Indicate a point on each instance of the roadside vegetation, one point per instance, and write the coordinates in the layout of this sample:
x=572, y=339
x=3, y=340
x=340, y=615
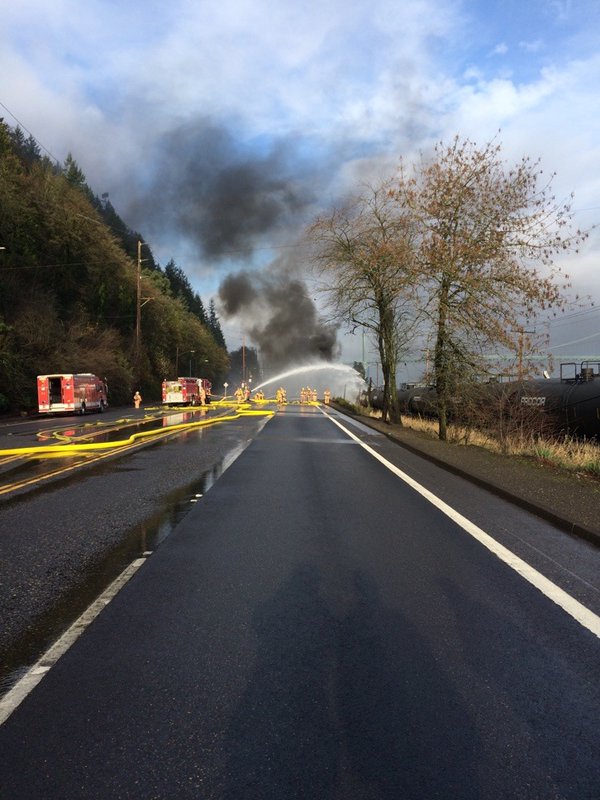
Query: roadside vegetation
x=347, y=406
x=81, y=292
x=453, y=256
x=560, y=452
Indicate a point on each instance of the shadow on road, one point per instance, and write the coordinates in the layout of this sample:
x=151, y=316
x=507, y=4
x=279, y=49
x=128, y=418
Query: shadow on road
x=345, y=707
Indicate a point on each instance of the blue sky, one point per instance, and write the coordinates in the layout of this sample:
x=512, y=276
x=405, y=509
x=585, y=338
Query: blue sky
x=167, y=106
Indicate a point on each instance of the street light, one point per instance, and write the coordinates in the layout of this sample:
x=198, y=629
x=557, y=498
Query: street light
x=177, y=354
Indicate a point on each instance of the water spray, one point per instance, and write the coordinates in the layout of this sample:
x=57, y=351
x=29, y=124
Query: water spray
x=318, y=366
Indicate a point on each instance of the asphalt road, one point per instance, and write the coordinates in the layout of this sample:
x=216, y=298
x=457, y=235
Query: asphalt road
x=315, y=628
x=63, y=542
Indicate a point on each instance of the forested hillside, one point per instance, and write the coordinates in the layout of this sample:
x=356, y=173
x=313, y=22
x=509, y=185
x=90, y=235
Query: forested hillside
x=69, y=294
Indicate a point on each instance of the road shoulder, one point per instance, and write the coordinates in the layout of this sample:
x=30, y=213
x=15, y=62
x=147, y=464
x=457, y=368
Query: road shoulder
x=569, y=500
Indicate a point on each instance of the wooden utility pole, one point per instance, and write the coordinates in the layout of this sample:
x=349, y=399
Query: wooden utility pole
x=522, y=333
x=138, y=312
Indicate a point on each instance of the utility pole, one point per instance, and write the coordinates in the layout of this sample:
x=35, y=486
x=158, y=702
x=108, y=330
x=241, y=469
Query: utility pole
x=138, y=310
x=138, y=315
x=521, y=332
x=363, y=354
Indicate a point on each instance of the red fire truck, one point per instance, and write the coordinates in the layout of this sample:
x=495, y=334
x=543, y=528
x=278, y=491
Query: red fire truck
x=74, y=394
x=185, y=391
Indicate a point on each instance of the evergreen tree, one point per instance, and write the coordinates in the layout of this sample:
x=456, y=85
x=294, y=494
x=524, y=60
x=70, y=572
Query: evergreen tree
x=32, y=152
x=214, y=325
x=181, y=288
x=17, y=138
x=73, y=173
x=68, y=287
x=197, y=308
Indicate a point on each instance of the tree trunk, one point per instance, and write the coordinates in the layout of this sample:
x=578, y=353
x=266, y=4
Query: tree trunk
x=441, y=361
x=387, y=352
x=395, y=417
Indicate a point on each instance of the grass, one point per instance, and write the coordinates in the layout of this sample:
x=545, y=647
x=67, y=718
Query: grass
x=339, y=401
x=574, y=455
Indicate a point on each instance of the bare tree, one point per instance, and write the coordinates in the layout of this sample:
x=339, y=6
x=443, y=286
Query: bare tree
x=365, y=253
x=485, y=235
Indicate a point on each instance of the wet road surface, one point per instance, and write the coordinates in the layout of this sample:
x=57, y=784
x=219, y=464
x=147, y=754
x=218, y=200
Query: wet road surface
x=315, y=629
x=40, y=450
x=63, y=541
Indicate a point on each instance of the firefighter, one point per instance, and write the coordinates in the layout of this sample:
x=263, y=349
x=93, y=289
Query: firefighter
x=327, y=396
x=137, y=399
x=239, y=394
x=202, y=395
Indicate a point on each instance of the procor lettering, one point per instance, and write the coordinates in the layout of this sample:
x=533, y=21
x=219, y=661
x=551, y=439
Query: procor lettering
x=533, y=401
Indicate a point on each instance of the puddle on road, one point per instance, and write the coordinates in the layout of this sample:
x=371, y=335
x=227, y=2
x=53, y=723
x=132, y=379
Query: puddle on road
x=142, y=538
x=32, y=466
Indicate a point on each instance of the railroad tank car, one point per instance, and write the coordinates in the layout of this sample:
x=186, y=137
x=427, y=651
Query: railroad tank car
x=573, y=399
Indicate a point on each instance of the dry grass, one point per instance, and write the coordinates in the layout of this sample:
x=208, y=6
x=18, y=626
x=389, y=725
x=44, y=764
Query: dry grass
x=574, y=455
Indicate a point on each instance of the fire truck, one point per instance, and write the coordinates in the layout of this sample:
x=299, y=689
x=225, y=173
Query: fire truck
x=185, y=391
x=71, y=394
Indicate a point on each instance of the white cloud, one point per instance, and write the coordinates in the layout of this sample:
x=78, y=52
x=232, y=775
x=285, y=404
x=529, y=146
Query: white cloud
x=369, y=80
x=531, y=47
x=501, y=49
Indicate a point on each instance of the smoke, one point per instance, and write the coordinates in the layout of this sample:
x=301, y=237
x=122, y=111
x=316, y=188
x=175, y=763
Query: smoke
x=279, y=317
x=223, y=192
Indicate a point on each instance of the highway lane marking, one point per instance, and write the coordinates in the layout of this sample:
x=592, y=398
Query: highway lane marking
x=15, y=696
x=573, y=607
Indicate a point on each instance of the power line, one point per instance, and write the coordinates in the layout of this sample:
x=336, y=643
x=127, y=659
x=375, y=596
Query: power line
x=100, y=221
x=56, y=266
x=576, y=341
x=37, y=141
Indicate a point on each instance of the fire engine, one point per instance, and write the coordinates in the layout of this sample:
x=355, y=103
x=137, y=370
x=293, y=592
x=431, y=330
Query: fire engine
x=75, y=394
x=185, y=390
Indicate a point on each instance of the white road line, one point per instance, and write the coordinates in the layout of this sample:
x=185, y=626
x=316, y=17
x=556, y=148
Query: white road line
x=573, y=607
x=15, y=696
x=34, y=674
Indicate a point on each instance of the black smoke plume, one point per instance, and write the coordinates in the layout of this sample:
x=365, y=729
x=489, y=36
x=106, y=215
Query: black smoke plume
x=225, y=193
x=279, y=317
x=230, y=195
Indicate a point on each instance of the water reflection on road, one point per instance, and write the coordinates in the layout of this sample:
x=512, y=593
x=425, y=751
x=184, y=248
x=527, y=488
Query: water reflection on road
x=21, y=466
x=141, y=540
